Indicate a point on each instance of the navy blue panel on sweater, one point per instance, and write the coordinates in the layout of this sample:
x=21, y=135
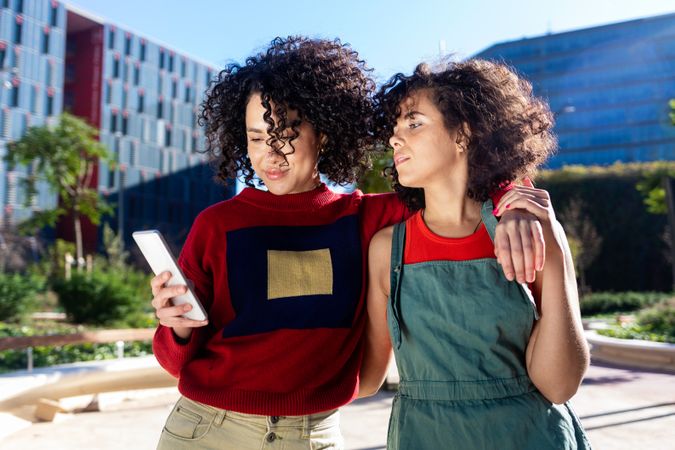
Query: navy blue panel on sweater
x=247, y=265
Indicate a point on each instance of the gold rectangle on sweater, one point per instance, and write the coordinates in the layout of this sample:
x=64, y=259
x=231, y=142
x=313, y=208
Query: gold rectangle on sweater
x=296, y=274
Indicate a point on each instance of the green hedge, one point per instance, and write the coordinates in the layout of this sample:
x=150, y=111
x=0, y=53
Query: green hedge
x=652, y=324
x=632, y=254
x=616, y=302
x=44, y=356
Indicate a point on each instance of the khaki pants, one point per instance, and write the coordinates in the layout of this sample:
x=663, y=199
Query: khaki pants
x=194, y=425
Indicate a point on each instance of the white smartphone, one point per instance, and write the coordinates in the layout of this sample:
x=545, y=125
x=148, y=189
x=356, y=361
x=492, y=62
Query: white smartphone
x=158, y=255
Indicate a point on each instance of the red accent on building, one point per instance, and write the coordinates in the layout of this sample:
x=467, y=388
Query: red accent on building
x=86, y=92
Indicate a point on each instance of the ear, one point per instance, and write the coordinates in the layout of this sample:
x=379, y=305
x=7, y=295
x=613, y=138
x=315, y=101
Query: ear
x=463, y=137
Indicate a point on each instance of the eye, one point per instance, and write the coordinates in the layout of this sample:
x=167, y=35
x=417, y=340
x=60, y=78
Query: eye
x=255, y=139
x=414, y=125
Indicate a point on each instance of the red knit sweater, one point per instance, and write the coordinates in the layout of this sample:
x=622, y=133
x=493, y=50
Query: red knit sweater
x=283, y=281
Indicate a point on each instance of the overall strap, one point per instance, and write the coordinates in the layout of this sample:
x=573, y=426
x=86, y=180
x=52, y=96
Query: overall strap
x=490, y=222
x=397, y=246
x=488, y=218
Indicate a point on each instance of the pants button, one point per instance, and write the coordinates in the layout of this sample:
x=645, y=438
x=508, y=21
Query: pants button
x=271, y=437
x=274, y=419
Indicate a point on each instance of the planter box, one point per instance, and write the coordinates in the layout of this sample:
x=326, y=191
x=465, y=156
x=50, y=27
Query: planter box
x=632, y=352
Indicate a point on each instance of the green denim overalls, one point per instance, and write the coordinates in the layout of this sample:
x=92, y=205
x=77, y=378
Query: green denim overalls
x=459, y=331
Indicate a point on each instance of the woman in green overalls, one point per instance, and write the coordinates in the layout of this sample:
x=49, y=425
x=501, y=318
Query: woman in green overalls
x=484, y=362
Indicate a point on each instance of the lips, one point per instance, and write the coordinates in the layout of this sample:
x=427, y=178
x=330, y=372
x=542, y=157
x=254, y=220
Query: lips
x=275, y=174
x=400, y=159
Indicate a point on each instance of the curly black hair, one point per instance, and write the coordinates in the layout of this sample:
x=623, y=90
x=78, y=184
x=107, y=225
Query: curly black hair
x=324, y=80
x=510, y=129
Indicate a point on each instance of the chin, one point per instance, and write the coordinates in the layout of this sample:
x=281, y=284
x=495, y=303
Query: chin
x=408, y=182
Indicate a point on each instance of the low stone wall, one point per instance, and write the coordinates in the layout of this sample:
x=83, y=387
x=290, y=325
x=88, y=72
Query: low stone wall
x=632, y=352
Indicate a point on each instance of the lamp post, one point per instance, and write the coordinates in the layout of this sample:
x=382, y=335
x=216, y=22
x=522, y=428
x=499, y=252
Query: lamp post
x=120, y=189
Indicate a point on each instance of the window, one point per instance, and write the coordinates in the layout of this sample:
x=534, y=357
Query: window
x=17, y=31
x=54, y=14
x=125, y=124
x=171, y=63
x=50, y=102
x=3, y=53
x=19, y=6
x=141, y=103
x=111, y=38
x=142, y=51
x=161, y=59
x=113, y=122
x=160, y=109
x=208, y=77
x=167, y=136
x=45, y=41
x=183, y=68
x=137, y=75
x=127, y=46
x=187, y=94
x=116, y=68
x=14, y=96
x=108, y=93
x=124, y=97
x=174, y=89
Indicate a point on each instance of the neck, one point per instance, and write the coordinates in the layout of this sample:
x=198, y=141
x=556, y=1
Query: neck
x=449, y=211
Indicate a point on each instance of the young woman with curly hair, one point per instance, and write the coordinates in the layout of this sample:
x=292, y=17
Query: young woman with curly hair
x=281, y=271
x=484, y=362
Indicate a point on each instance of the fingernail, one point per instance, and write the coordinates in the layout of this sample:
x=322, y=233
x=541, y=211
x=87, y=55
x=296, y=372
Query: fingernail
x=187, y=307
x=508, y=205
x=494, y=211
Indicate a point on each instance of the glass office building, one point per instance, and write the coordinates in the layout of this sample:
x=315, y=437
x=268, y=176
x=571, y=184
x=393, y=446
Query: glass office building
x=143, y=97
x=609, y=87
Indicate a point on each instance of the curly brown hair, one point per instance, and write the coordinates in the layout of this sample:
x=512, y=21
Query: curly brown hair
x=324, y=80
x=510, y=129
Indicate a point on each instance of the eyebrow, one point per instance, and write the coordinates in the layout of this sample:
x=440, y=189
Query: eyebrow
x=410, y=114
x=254, y=130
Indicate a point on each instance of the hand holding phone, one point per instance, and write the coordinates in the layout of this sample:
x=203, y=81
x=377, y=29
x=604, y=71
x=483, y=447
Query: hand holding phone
x=159, y=257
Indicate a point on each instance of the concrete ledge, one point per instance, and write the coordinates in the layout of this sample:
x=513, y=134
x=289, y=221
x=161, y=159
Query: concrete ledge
x=632, y=352
x=60, y=382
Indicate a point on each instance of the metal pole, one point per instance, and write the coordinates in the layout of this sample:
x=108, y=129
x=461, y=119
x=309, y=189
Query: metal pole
x=670, y=203
x=29, y=354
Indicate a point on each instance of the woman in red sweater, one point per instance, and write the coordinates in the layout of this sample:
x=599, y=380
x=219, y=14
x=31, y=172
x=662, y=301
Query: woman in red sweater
x=281, y=272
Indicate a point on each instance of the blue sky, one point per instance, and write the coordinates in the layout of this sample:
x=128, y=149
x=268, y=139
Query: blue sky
x=392, y=35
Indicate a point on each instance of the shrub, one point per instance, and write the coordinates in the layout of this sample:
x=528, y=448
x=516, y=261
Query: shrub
x=660, y=319
x=609, y=302
x=17, y=295
x=104, y=297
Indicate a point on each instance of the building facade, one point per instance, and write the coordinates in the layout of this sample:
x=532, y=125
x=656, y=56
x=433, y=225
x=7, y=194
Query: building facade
x=608, y=86
x=143, y=97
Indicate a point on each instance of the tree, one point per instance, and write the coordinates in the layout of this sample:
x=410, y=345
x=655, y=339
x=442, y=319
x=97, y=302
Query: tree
x=585, y=242
x=672, y=111
x=372, y=181
x=65, y=157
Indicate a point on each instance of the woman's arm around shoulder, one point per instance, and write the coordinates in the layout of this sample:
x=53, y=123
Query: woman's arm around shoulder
x=377, y=345
x=557, y=354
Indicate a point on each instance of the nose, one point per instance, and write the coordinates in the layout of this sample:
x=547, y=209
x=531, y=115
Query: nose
x=395, y=141
x=272, y=155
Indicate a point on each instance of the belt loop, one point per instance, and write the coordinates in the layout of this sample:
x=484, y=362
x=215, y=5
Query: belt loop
x=220, y=417
x=306, y=424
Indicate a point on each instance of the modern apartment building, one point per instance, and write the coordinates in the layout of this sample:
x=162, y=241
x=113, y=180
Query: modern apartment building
x=142, y=95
